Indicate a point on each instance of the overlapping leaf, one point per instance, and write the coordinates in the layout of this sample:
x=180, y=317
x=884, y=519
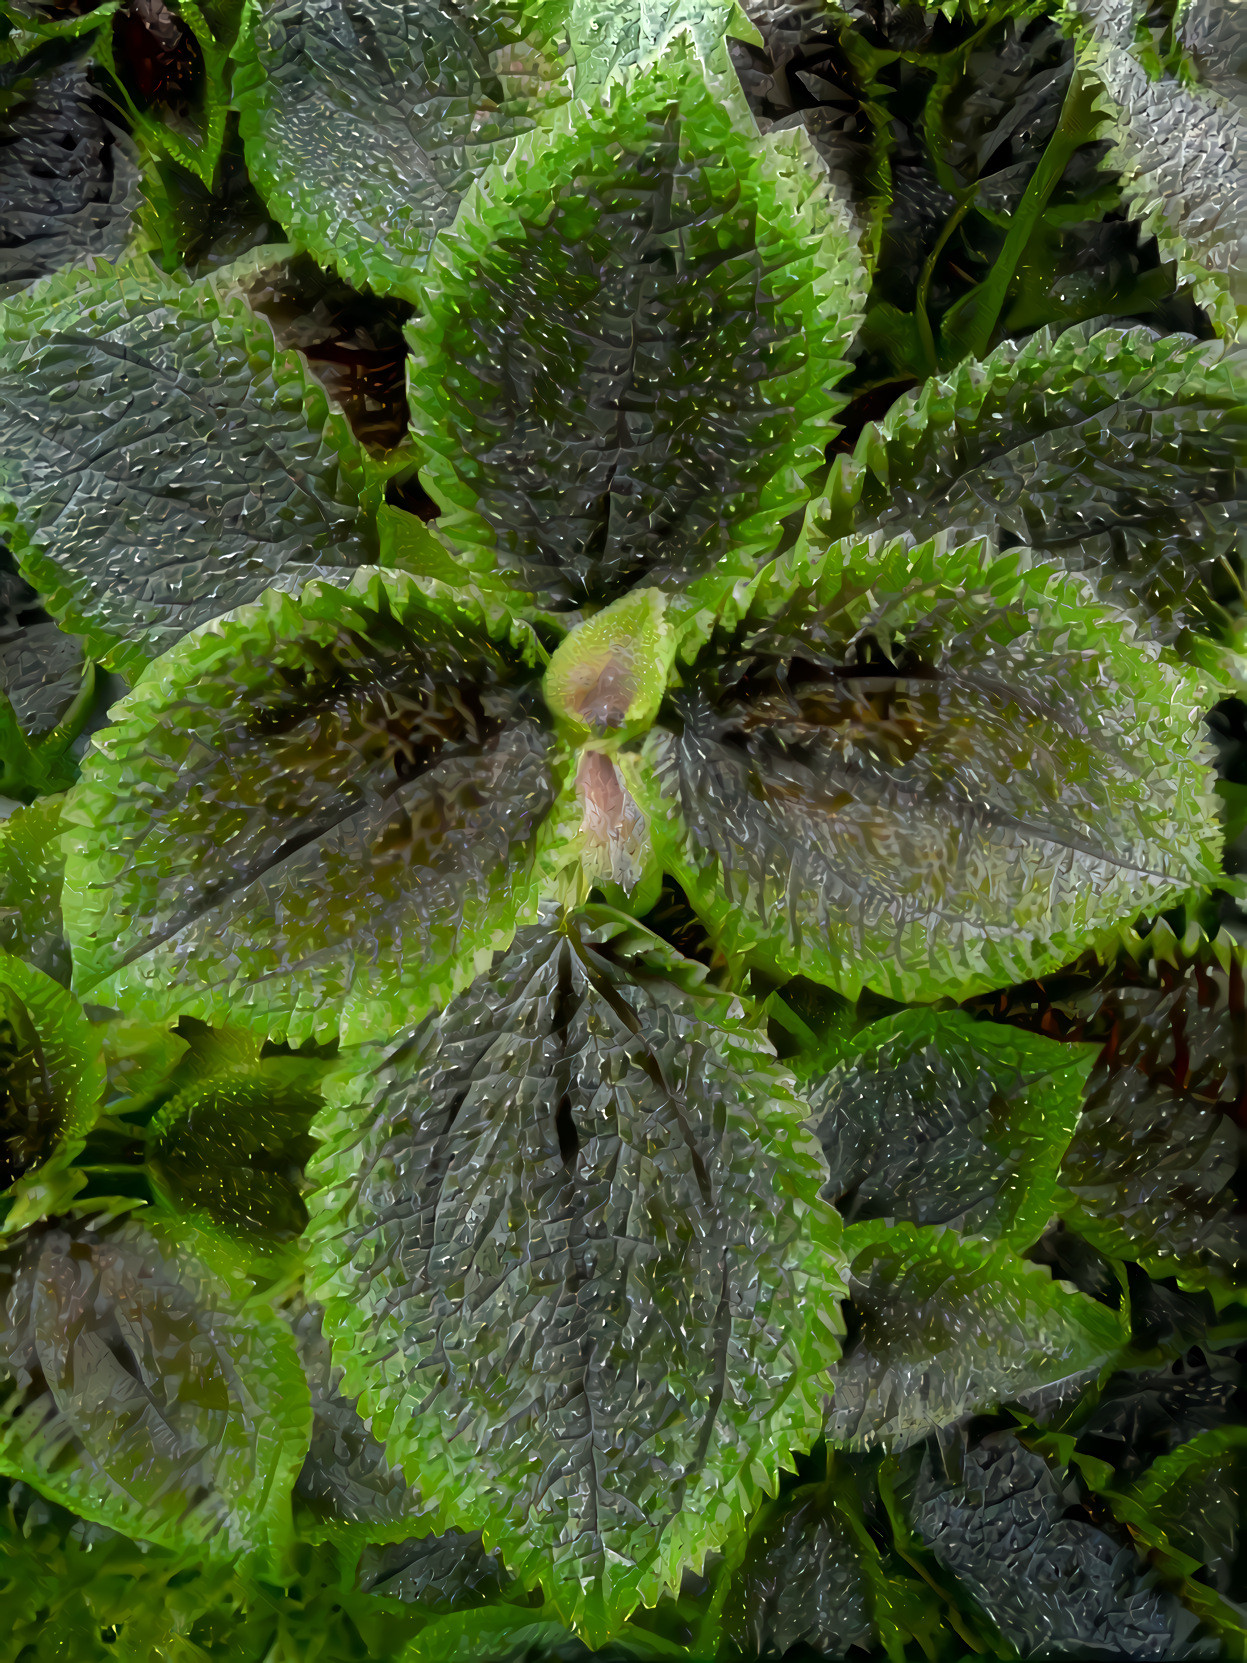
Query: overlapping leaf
x=1054, y=1583
x=160, y=461
x=51, y=1072
x=951, y=1327
x=1148, y=1171
x=925, y=768
x=801, y=1583
x=366, y=121
x=31, y=867
x=310, y=816
x=632, y=374
x=230, y=1138
x=573, y=1260
x=1181, y=151
x=1119, y=453
x=142, y=1395
x=69, y=180
x=935, y=1119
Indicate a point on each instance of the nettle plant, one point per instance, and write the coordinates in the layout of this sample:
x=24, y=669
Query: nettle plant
x=622, y=1013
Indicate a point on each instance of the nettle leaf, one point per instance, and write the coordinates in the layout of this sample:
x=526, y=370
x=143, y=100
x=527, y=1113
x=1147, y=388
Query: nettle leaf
x=1118, y=452
x=928, y=768
x=1213, y=38
x=139, y=1055
x=69, y=180
x=935, y=1119
x=311, y=817
x=51, y=1071
x=160, y=461
x=1055, y=1584
x=631, y=374
x=41, y=673
x=573, y=1260
x=1148, y=1173
x=145, y=1394
x=801, y=1583
x=605, y=42
x=31, y=868
x=366, y=121
x=1189, y=1498
x=346, y=1489
x=952, y=1326
x=231, y=1139
x=1181, y=151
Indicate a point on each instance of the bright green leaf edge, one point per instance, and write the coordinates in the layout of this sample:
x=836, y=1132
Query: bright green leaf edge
x=106, y=807
x=67, y=298
x=595, y=1616
x=875, y=570
x=1052, y=1077
x=803, y=229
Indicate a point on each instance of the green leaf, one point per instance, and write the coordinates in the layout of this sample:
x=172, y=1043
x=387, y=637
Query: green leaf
x=146, y=1396
x=1179, y=149
x=230, y=1141
x=31, y=868
x=928, y=769
x=609, y=42
x=311, y=816
x=139, y=1055
x=934, y=1119
x=365, y=123
x=1117, y=452
x=489, y=1636
x=1148, y=1172
x=1055, y=1584
x=573, y=449
x=1187, y=1502
x=572, y=1259
x=952, y=1326
x=51, y=1082
x=346, y=1490
x=802, y=1583
x=69, y=180
x=160, y=461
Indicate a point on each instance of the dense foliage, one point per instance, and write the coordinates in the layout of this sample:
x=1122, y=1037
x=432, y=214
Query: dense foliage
x=622, y=1009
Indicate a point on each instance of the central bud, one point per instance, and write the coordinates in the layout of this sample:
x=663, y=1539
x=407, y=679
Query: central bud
x=609, y=675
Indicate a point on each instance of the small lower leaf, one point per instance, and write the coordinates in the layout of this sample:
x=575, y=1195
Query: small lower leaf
x=951, y=1327
x=935, y=1119
x=143, y=1396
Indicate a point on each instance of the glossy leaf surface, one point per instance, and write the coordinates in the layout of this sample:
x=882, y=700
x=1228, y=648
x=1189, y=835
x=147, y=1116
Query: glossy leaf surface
x=1181, y=150
x=573, y=1260
x=311, y=815
x=367, y=120
x=69, y=180
x=142, y=1396
x=162, y=463
x=1116, y=452
x=1054, y=1583
x=934, y=1119
x=631, y=374
x=952, y=1327
x=925, y=769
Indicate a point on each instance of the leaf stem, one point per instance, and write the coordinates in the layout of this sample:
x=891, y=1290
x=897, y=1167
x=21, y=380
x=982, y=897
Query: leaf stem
x=928, y=270
x=968, y=327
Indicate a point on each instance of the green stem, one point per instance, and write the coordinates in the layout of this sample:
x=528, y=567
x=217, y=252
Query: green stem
x=969, y=325
x=924, y=280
